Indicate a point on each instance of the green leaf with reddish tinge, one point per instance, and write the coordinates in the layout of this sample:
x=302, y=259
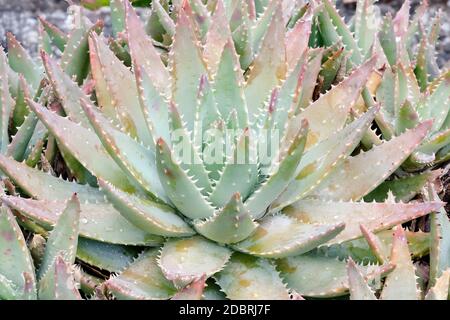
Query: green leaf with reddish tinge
x=365, y=25
x=329, y=113
x=163, y=18
x=387, y=40
x=63, y=238
x=84, y=145
x=403, y=188
x=59, y=282
x=239, y=174
x=99, y=221
x=6, y=103
x=106, y=256
x=16, y=258
x=121, y=87
x=193, y=291
x=352, y=181
x=359, y=289
x=20, y=61
x=315, y=275
x=441, y=288
x=143, y=52
x=180, y=189
x=187, y=67
x=310, y=79
x=269, y=67
x=436, y=105
x=375, y=216
x=229, y=86
x=407, y=118
x=57, y=37
x=147, y=215
x=184, y=260
x=75, y=58
x=44, y=186
x=68, y=91
x=218, y=35
x=153, y=105
x=440, y=240
x=344, y=33
x=142, y=280
x=281, y=173
x=401, y=283
x=233, y=223
x=321, y=159
x=250, y=278
x=281, y=236
x=297, y=41
x=137, y=161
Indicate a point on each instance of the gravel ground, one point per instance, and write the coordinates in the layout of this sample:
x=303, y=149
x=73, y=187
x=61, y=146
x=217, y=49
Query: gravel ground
x=20, y=17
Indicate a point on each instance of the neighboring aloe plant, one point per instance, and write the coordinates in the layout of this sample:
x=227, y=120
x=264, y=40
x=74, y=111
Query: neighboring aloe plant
x=172, y=206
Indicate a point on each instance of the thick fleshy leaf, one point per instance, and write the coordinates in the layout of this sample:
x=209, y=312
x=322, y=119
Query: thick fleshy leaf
x=56, y=36
x=20, y=61
x=404, y=188
x=376, y=245
x=106, y=256
x=137, y=161
x=436, y=105
x=142, y=280
x=297, y=41
x=154, y=106
x=329, y=113
x=233, y=223
x=440, y=290
x=121, y=87
x=341, y=29
x=185, y=260
x=152, y=217
x=63, y=238
x=315, y=275
x=193, y=291
x=180, y=189
x=401, y=283
x=8, y=290
x=269, y=67
x=250, y=278
x=280, y=236
x=375, y=216
x=15, y=256
x=59, y=282
x=365, y=25
x=217, y=36
x=440, y=240
x=352, y=181
x=360, y=251
x=280, y=175
x=228, y=85
x=98, y=221
x=321, y=159
x=144, y=53
x=75, y=58
x=359, y=289
x=68, y=91
x=239, y=174
x=44, y=186
x=187, y=150
x=84, y=145
x=187, y=67
x=6, y=103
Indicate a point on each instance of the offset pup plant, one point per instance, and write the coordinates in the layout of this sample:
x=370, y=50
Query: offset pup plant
x=224, y=150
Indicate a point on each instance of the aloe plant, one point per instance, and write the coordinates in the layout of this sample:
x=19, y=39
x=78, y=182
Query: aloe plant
x=222, y=150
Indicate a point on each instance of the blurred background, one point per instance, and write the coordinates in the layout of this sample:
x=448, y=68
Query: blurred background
x=20, y=17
